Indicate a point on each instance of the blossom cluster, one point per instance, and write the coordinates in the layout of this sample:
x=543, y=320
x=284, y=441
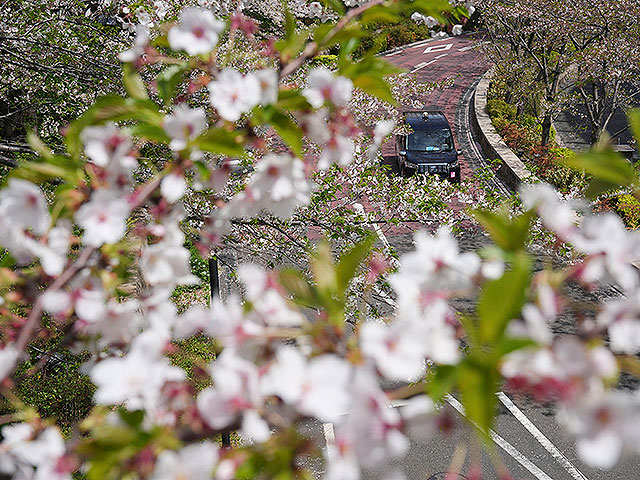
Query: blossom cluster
x=285, y=351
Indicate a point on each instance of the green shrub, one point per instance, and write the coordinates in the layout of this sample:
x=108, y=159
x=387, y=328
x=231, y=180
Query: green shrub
x=381, y=37
x=64, y=394
x=628, y=207
x=498, y=108
x=328, y=61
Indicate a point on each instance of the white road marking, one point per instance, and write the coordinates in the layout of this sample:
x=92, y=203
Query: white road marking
x=329, y=434
x=464, y=49
x=385, y=296
x=329, y=437
x=387, y=246
x=422, y=65
x=394, y=53
x=441, y=55
x=539, y=436
x=506, y=446
x=438, y=48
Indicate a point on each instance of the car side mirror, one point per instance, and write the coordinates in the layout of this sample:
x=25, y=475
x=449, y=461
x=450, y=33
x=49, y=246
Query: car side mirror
x=458, y=152
x=403, y=153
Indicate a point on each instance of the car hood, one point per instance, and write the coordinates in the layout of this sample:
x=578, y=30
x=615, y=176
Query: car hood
x=431, y=157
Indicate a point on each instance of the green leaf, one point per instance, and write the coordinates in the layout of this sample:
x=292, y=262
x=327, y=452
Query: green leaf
x=149, y=132
x=369, y=75
x=111, y=108
x=131, y=418
x=435, y=8
x=38, y=172
x=336, y=5
x=292, y=100
x=501, y=299
x=38, y=146
x=294, y=282
x=219, y=140
x=508, y=345
x=442, y=382
x=168, y=80
x=509, y=234
x=293, y=42
x=478, y=384
x=609, y=170
x=380, y=14
x=323, y=268
x=350, y=261
x=133, y=82
x=289, y=130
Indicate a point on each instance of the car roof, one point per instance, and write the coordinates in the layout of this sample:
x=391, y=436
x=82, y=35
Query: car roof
x=426, y=119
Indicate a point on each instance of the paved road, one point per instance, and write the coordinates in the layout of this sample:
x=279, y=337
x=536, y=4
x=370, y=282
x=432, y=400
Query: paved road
x=529, y=440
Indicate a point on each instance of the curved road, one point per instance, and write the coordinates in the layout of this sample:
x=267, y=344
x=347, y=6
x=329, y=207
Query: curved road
x=527, y=437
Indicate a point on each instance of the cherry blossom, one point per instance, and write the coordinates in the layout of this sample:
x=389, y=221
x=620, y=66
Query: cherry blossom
x=421, y=417
x=23, y=450
x=137, y=378
x=8, y=359
x=184, y=124
x=106, y=145
x=372, y=429
x=22, y=205
x=318, y=387
x=398, y=349
x=622, y=319
x=268, y=79
x=233, y=94
x=279, y=185
x=192, y=462
x=197, y=33
x=103, y=218
x=338, y=150
x=137, y=50
x=436, y=265
x=323, y=85
x=236, y=394
x=173, y=186
x=166, y=263
x=605, y=424
x=611, y=249
x=566, y=369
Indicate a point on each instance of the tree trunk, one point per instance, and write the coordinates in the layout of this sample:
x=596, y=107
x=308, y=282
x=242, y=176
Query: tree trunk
x=546, y=130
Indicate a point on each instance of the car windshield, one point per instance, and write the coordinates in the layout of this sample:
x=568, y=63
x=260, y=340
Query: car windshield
x=426, y=140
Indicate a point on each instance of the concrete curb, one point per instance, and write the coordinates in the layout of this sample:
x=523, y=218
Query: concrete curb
x=512, y=171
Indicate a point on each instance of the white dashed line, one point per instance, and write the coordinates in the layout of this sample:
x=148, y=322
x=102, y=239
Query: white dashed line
x=539, y=436
x=464, y=49
x=422, y=65
x=441, y=55
x=506, y=446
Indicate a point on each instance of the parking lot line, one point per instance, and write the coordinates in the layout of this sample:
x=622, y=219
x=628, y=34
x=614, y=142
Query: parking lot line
x=504, y=445
x=539, y=436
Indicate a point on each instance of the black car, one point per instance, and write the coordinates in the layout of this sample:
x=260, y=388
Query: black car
x=429, y=149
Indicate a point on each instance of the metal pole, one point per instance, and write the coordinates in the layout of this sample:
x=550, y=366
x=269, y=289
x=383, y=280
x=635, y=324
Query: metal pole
x=214, y=283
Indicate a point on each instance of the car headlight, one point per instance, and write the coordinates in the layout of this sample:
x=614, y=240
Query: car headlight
x=453, y=165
